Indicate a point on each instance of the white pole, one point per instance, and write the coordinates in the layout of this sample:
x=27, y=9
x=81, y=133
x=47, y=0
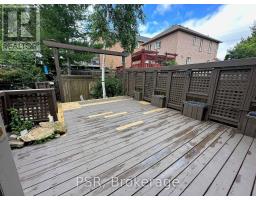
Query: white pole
x=103, y=77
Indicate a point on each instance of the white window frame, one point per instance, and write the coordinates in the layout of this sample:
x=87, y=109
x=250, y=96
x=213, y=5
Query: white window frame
x=188, y=60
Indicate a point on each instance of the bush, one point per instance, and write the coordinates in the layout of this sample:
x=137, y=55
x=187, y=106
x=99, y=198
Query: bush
x=113, y=88
x=21, y=76
x=170, y=63
x=17, y=125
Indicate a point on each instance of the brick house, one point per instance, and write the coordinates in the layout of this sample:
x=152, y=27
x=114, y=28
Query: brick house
x=115, y=61
x=191, y=46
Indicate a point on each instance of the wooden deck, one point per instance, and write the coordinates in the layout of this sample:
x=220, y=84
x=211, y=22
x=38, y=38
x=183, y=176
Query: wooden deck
x=150, y=151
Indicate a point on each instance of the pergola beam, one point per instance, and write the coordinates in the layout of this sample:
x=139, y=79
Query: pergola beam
x=58, y=45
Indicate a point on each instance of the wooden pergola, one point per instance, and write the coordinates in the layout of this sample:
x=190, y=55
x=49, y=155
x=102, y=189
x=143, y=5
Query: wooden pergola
x=57, y=45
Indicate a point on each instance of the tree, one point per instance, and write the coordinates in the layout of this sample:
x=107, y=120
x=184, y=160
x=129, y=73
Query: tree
x=245, y=48
x=109, y=24
x=64, y=23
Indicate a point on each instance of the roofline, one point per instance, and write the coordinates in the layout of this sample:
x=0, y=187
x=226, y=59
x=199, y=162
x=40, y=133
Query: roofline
x=183, y=30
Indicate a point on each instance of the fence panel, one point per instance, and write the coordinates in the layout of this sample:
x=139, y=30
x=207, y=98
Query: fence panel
x=33, y=104
x=149, y=85
x=131, y=83
x=177, y=89
x=230, y=93
x=161, y=83
x=228, y=87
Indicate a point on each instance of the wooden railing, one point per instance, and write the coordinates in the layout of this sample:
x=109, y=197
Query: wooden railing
x=228, y=87
x=32, y=104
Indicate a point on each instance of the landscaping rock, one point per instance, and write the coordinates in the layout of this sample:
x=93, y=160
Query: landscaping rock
x=46, y=124
x=37, y=134
x=59, y=128
x=13, y=137
x=57, y=135
x=16, y=144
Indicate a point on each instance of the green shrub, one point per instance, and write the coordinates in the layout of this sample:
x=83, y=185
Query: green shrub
x=17, y=125
x=170, y=63
x=113, y=88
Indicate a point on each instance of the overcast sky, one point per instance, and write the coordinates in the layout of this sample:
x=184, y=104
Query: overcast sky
x=228, y=23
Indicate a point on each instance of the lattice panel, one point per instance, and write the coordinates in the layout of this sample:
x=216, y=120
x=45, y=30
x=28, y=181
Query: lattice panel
x=139, y=81
x=177, y=88
x=149, y=81
x=31, y=106
x=231, y=89
x=199, y=82
x=161, y=81
x=131, y=84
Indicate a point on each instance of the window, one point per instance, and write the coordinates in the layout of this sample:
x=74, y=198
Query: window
x=194, y=41
x=149, y=47
x=158, y=44
x=201, y=45
x=188, y=60
x=210, y=47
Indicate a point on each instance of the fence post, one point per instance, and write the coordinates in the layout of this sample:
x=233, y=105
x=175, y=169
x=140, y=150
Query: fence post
x=186, y=86
x=168, y=87
x=248, y=98
x=212, y=89
x=154, y=82
x=53, y=104
x=143, y=83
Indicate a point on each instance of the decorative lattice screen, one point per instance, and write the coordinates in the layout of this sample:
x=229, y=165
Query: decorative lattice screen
x=199, y=82
x=177, y=88
x=230, y=92
x=149, y=81
x=131, y=84
x=139, y=81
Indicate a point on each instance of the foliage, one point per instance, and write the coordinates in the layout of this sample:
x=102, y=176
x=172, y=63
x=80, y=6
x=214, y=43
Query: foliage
x=170, y=63
x=115, y=23
x=245, y=48
x=17, y=125
x=64, y=23
x=113, y=88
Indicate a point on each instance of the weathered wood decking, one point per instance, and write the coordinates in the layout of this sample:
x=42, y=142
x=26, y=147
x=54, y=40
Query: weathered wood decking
x=143, y=145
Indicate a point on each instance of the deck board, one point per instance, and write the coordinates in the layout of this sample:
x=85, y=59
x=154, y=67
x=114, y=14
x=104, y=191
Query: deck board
x=166, y=145
x=245, y=178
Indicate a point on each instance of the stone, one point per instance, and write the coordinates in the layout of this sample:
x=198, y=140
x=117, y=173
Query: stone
x=59, y=128
x=46, y=124
x=57, y=135
x=38, y=133
x=16, y=144
x=13, y=137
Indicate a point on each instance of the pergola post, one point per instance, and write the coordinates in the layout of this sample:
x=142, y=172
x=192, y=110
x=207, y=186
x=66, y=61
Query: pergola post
x=58, y=72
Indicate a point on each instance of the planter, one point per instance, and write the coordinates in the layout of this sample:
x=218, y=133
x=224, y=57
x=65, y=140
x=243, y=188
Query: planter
x=249, y=127
x=195, y=110
x=158, y=100
x=138, y=95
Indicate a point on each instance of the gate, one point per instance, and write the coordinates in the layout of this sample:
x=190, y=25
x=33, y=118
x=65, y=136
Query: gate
x=229, y=95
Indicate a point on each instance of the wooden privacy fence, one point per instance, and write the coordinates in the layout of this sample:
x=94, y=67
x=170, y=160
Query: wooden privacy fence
x=32, y=104
x=228, y=87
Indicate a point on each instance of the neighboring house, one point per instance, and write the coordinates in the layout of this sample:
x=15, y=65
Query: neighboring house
x=191, y=46
x=116, y=61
